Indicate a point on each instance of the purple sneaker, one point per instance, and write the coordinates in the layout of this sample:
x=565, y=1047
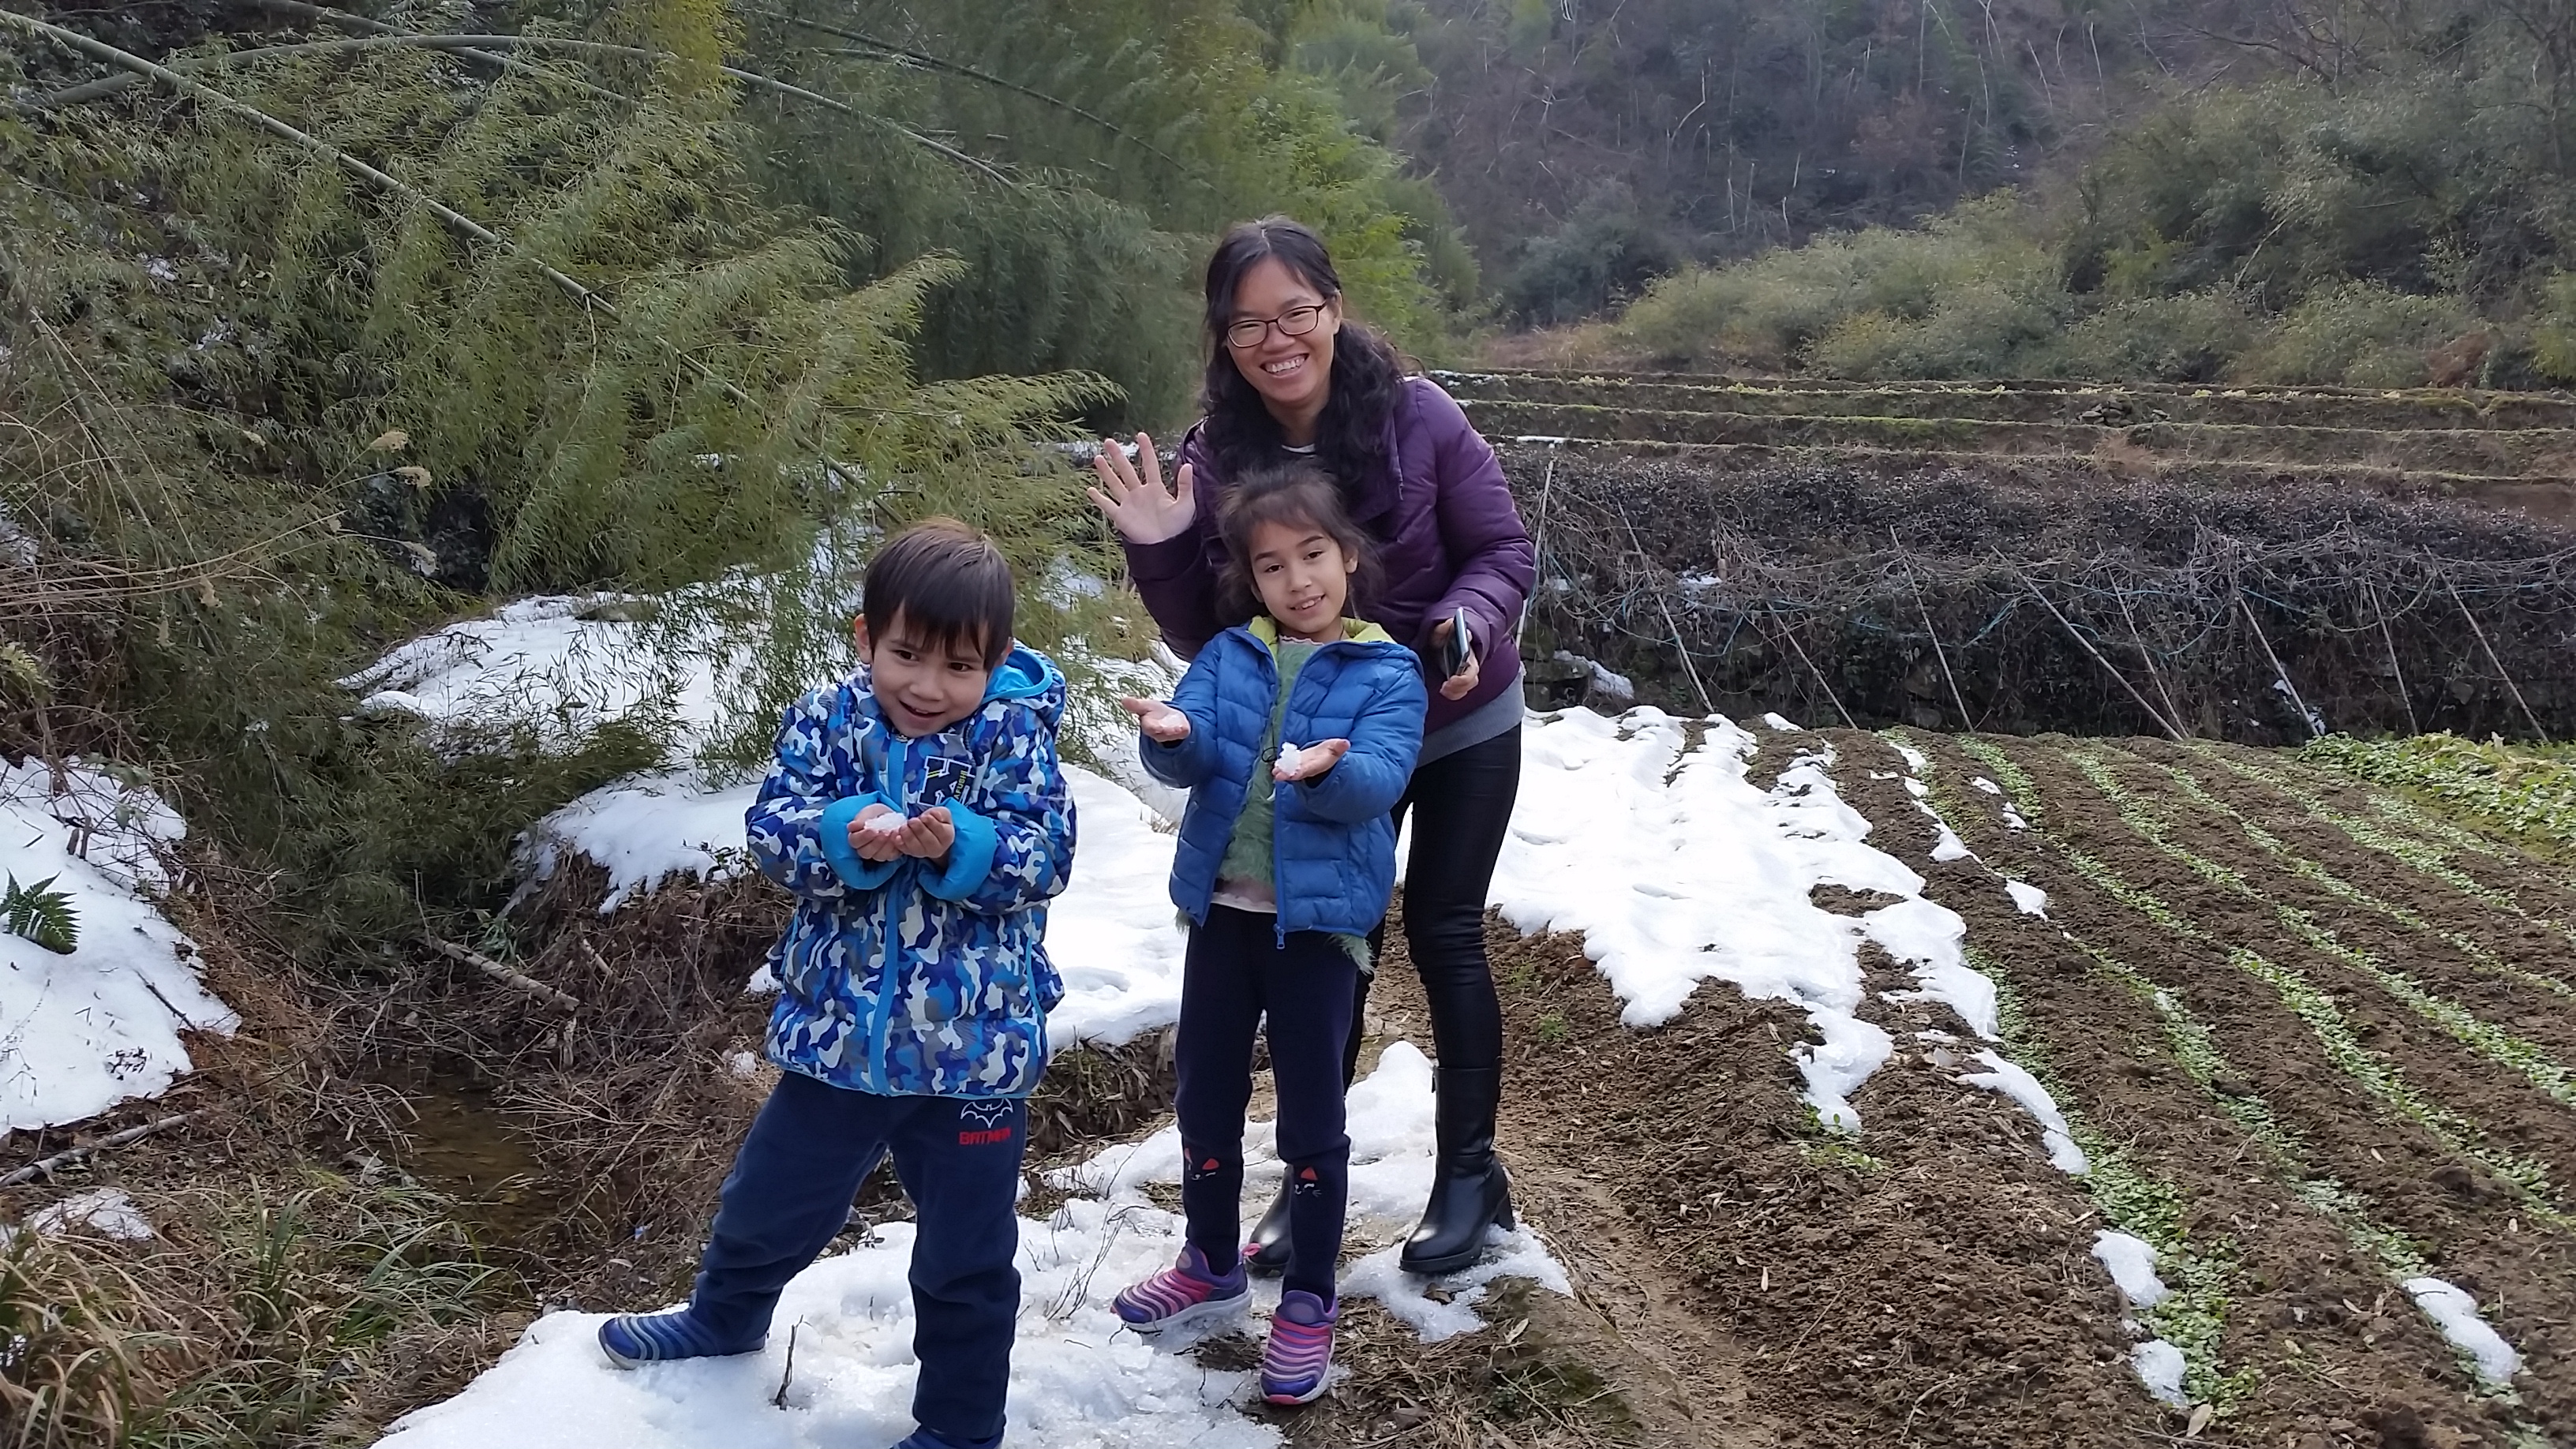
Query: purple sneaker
x=1300, y=1351
x=1186, y=1292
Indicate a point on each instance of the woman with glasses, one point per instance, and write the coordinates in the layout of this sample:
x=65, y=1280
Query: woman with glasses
x=1290, y=378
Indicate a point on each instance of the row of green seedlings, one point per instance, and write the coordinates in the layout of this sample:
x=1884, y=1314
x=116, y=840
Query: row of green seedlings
x=2403, y=814
x=2193, y=787
x=2485, y=1038
x=2525, y=793
x=2199, y=1273
x=2195, y=1048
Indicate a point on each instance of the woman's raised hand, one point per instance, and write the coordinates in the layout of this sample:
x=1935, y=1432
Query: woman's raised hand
x=1131, y=493
x=1160, y=722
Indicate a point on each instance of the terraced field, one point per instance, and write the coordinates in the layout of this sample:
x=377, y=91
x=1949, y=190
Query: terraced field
x=2518, y=450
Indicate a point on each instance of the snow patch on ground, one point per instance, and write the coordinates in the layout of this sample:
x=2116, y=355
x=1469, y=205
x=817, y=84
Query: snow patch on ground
x=106, y=1211
x=2011, y=1080
x=83, y=1032
x=646, y=829
x=1675, y=868
x=2160, y=1368
x=1078, y=1380
x=561, y=664
x=2030, y=899
x=2456, y=1314
x=1392, y=1145
x=2131, y=1262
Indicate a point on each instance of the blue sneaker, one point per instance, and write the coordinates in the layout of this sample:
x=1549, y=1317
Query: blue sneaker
x=633, y=1339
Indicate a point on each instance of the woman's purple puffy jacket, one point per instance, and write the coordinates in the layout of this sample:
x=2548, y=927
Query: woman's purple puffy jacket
x=1449, y=537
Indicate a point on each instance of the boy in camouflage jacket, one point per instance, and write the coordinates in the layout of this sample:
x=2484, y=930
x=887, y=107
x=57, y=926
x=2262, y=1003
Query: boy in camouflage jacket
x=919, y=815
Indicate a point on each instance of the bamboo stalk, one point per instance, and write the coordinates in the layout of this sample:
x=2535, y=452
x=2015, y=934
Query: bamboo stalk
x=2087, y=646
x=1915, y=587
x=2444, y=575
x=504, y=974
x=406, y=39
x=902, y=53
x=2316, y=725
x=46, y=1167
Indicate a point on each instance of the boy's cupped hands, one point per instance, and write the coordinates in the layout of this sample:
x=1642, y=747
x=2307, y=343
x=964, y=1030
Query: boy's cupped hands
x=881, y=833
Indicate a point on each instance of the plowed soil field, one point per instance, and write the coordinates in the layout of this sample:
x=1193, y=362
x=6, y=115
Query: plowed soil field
x=2312, y=1040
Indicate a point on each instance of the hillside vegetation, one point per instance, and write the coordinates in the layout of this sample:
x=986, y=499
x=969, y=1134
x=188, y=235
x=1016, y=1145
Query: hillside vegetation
x=2380, y=198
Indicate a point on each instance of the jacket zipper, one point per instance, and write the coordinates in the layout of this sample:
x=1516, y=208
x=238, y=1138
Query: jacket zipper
x=1278, y=857
x=899, y=772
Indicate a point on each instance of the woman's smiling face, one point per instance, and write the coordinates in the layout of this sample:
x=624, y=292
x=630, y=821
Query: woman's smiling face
x=1292, y=374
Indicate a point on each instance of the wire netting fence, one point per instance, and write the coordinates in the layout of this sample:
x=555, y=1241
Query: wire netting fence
x=2023, y=601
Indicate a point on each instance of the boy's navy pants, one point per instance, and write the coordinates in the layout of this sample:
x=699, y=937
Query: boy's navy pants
x=790, y=1193
x=1236, y=971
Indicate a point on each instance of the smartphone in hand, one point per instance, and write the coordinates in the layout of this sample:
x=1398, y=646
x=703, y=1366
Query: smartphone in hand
x=1460, y=647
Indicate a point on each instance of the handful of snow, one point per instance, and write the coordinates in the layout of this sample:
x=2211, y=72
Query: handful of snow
x=1293, y=760
x=891, y=822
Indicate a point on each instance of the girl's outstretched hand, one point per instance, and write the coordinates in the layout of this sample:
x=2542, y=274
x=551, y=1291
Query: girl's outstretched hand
x=876, y=832
x=1161, y=723
x=1131, y=493
x=1310, y=762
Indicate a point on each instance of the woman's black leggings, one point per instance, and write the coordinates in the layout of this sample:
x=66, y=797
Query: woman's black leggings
x=1462, y=806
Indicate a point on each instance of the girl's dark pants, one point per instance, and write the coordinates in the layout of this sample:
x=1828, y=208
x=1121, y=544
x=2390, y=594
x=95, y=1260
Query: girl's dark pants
x=1236, y=970
x=789, y=1195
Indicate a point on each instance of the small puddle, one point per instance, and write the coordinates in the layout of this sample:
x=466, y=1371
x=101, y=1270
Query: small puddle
x=463, y=1148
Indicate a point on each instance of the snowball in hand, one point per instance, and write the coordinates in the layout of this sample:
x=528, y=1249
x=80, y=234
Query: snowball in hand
x=1293, y=760
x=889, y=823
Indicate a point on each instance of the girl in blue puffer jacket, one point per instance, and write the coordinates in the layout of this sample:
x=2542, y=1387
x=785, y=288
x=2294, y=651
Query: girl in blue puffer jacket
x=1295, y=735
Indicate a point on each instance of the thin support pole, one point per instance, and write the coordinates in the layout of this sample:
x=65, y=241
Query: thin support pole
x=2370, y=591
x=1915, y=587
x=2087, y=646
x=1706, y=704
x=2444, y=575
x=2155, y=676
x=1791, y=634
x=2316, y=723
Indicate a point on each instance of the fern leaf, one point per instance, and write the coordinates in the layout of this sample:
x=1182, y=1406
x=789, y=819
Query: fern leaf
x=40, y=914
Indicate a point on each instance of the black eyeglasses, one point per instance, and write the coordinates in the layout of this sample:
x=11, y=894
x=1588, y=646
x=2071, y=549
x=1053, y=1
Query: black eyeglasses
x=1295, y=322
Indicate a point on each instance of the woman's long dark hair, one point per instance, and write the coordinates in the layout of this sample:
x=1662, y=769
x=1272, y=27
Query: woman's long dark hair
x=1350, y=437
x=1300, y=495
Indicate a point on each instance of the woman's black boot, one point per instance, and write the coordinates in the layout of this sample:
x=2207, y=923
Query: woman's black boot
x=1470, y=1192
x=1268, y=1255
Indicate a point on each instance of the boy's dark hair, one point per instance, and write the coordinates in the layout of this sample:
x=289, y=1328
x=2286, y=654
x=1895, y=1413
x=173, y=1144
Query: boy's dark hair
x=949, y=583
x=1300, y=495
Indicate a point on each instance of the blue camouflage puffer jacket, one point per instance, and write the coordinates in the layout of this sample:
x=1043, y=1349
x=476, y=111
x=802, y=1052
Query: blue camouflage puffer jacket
x=905, y=978
x=1333, y=840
